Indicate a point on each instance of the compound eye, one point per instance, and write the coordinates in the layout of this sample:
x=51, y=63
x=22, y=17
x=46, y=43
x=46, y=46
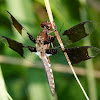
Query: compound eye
x=42, y=26
x=48, y=27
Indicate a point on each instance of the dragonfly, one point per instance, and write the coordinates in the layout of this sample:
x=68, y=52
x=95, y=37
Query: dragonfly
x=44, y=41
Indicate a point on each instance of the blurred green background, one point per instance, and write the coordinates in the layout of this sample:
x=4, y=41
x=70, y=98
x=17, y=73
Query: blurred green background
x=25, y=81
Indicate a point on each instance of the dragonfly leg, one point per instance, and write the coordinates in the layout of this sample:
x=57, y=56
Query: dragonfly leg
x=52, y=45
x=49, y=40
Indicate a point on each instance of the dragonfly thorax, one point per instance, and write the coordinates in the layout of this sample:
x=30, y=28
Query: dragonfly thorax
x=41, y=38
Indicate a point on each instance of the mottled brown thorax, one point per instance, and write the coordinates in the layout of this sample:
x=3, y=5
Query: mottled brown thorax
x=43, y=36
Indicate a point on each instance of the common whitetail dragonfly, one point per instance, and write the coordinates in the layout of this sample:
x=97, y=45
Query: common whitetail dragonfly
x=44, y=41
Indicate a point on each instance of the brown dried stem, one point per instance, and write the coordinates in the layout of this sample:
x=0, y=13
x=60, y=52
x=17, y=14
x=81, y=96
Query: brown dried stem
x=61, y=44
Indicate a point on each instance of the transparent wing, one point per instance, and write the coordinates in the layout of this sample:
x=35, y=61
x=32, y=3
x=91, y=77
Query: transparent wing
x=77, y=54
x=78, y=32
x=82, y=53
x=26, y=52
x=23, y=32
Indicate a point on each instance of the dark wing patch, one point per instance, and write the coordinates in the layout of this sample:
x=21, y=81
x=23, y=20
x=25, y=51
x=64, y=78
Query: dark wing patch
x=16, y=24
x=79, y=54
x=31, y=37
x=26, y=52
x=14, y=45
x=32, y=49
x=80, y=31
x=51, y=51
x=23, y=32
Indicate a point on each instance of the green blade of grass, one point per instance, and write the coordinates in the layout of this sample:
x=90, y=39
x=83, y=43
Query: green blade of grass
x=3, y=93
x=89, y=63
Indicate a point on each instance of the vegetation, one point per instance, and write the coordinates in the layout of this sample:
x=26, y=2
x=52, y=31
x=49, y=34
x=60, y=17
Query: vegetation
x=26, y=81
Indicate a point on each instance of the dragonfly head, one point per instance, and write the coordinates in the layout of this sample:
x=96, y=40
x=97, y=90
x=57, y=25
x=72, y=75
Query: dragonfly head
x=46, y=25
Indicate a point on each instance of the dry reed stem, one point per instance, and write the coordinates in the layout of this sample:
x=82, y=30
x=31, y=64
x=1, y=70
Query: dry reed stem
x=61, y=44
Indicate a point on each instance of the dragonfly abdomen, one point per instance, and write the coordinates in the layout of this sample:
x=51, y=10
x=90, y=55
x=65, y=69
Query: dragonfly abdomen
x=49, y=73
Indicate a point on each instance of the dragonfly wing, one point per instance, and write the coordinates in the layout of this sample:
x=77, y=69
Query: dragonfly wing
x=82, y=53
x=26, y=52
x=77, y=54
x=23, y=32
x=79, y=31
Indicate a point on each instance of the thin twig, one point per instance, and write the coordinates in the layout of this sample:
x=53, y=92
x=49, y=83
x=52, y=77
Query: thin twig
x=61, y=44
